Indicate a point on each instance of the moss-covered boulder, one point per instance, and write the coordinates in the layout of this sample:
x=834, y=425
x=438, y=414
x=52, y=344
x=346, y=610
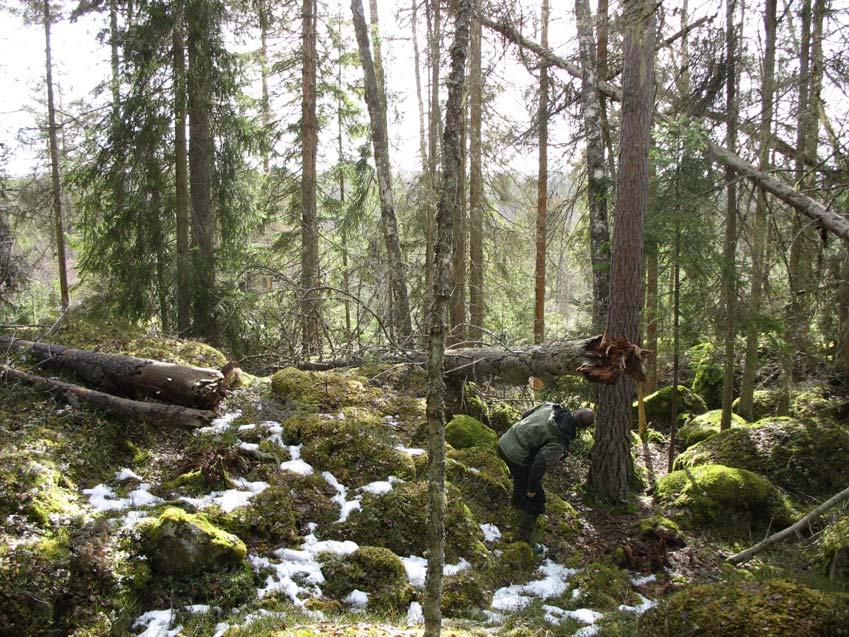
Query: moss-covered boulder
x=659, y=528
x=723, y=497
x=515, y=565
x=397, y=520
x=703, y=426
x=659, y=406
x=370, y=569
x=177, y=351
x=463, y=432
x=708, y=373
x=603, y=586
x=322, y=391
x=502, y=416
x=835, y=549
x=765, y=403
x=803, y=456
x=483, y=481
x=32, y=486
x=819, y=401
x=748, y=609
x=268, y=519
x=560, y=524
x=180, y=543
x=464, y=594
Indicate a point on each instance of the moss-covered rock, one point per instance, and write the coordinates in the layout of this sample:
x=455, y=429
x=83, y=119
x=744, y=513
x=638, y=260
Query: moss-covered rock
x=659, y=406
x=514, y=565
x=708, y=373
x=177, y=351
x=818, y=401
x=482, y=479
x=723, y=497
x=397, y=520
x=268, y=519
x=373, y=570
x=806, y=457
x=835, y=549
x=748, y=609
x=502, y=416
x=603, y=586
x=323, y=391
x=181, y=543
x=463, y=432
x=560, y=524
x=765, y=403
x=658, y=527
x=464, y=594
x=33, y=486
x=704, y=426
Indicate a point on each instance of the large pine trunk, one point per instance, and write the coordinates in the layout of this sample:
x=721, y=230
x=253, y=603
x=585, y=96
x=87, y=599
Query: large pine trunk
x=126, y=375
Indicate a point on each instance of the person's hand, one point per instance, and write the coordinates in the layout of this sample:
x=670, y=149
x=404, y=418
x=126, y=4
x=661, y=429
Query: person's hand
x=531, y=494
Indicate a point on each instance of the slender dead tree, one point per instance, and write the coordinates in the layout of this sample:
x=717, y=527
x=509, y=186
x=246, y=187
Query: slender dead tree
x=542, y=187
x=441, y=295
x=476, y=201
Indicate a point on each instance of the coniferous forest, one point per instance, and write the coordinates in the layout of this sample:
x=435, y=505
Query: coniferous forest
x=285, y=285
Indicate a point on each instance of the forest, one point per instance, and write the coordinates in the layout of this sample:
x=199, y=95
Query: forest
x=281, y=282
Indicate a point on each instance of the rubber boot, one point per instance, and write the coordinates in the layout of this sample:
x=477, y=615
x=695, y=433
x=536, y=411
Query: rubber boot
x=526, y=531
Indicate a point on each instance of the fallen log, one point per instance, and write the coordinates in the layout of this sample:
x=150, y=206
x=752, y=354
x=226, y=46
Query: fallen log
x=156, y=413
x=127, y=376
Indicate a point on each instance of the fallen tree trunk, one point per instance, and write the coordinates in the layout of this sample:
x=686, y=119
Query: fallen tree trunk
x=155, y=413
x=749, y=553
x=135, y=378
x=832, y=221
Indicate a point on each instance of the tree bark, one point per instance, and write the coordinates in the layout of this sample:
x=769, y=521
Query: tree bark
x=476, y=196
x=128, y=376
x=310, y=265
x=542, y=187
x=438, y=316
x=457, y=325
x=401, y=318
x=181, y=182
x=611, y=469
x=55, y=169
x=200, y=23
x=418, y=73
x=263, y=16
x=597, y=178
x=154, y=413
x=729, y=251
x=759, y=230
x=434, y=16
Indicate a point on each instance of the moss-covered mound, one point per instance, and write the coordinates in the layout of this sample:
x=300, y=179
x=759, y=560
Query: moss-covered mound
x=398, y=520
x=323, y=391
x=269, y=518
x=502, y=416
x=603, y=586
x=463, y=432
x=34, y=487
x=370, y=569
x=704, y=426
x=765, y=403
x=464, y=594
x=807, y=457
x=659, y=406
x=748, y=609
x=723, y=497
x=835, y=549
x=818, y=401
x=180, y=543
x=559, y=525
x=707, y=381
x=482, y=479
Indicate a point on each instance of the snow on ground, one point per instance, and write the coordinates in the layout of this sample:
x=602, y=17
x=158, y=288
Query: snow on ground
x=295, y=464
x=127, y=474
x=103, y=498
x=341, y=497
x=413, y=451
x=157, y=623
x=357, y=599
x=221, y=424
x=491, y=533
x=416, y=568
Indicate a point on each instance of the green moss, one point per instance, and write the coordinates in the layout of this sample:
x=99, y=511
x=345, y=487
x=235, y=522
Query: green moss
x=325, y=391
x=806, y=457
x=748, y=609
x=32, y=486
x=268, y=519
x=463, y=594
x=181, y=543
x=373, y=570
x=228, y=588
x=707, y=382
x=482, y=479
x=397, y=520
x=835, y=550
x=723, y=497
x=656, y=525
x=818, y=401
x=191, y=482
x=704, y=426
x=502, y=416
x=659, y=406
x=463, y=432
x=765, y=403
x=603, y=587
x=473, y=404
x=559, y=525
x=515, y=565
x=177, y=351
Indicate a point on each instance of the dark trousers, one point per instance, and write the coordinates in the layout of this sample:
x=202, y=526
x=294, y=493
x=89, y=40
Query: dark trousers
x=520, y=500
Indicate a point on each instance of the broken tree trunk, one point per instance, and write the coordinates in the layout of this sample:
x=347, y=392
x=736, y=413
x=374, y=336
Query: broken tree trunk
x=196, y=387
x=155, y=413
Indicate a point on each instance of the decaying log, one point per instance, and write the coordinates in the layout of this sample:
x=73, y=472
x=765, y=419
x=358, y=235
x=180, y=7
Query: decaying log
x=599, y=359
x=135, y=378
x=155, y=413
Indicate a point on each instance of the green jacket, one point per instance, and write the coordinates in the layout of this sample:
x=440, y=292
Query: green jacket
x=537, y=442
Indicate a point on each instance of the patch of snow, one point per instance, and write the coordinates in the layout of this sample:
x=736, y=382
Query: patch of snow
x=127, y=474
x=248, y=427
x=474, y=470
x=583, y=615
x=295, y=464
x=414, y=614
x=587, y=631
x=157, y=623
x=510, y=598
x=576, y=594
x=416, y=568
x=412, y=451
x=230, y=499
x=392, y=421
x=220, y=424
x=377, y=488
x=640, y=608
x=491, y=533
x=346, y=506
x=641, y=581
x=518, y=596
x=492, y=617
x=248, y=446
x=220, y=629
x=275, y=432
x=356, y=599
x=200, y=609
x=103, y=498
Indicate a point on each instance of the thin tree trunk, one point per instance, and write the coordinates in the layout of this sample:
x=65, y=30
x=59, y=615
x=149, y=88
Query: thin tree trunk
x=841, y=355
x=476, y=200
x=310, y=266
x=343, y=238
x=651, y=313
x=612, y=469
x=434, y=15
x=438, y=317
x=597, y=178
x=374, y=19
x=401, y=318
x=602, y=73
x=418, y=73
x=759, y=230
x=265, y=101
x=542, y=188
x=676, y=332
x=457, y=325
x=729, y=266
x=181, y=182
x=199, y=20
x=55, y=170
